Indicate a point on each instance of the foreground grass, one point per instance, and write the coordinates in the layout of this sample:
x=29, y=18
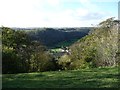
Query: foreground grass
x=86, y=78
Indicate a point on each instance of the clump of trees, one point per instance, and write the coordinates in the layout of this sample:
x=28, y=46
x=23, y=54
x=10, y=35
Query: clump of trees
x=98, y=49
x=20, y=54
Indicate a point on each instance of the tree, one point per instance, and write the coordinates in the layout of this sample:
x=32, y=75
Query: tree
x=21, y=54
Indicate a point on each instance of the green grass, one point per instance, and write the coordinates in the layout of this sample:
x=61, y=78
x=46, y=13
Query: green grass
x=85, y=78
x=66, y=43
x=56, y=50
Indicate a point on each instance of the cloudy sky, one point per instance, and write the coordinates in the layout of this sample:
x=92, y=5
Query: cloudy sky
x=56, y=13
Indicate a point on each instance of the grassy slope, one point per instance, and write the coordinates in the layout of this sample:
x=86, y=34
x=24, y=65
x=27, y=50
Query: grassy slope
x=89, y=78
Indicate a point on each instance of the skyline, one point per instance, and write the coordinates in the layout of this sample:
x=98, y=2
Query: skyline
x=58, y=13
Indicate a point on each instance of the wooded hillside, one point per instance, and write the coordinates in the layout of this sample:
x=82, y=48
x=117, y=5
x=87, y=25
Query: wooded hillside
x=99, y=48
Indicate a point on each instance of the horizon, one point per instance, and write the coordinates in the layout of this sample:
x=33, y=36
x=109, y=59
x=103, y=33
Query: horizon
x=45, y=27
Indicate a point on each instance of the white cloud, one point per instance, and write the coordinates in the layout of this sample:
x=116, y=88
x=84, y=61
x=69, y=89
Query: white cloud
x=53, y=2
x=99, y=0
x=34, y=13
x=83, y=14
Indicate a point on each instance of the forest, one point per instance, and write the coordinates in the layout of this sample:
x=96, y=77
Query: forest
x=44, y=50
x=50, y=37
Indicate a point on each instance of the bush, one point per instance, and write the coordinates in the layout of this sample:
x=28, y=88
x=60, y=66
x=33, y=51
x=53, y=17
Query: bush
x=42, y=62
x=64, y=62
x=10, y=63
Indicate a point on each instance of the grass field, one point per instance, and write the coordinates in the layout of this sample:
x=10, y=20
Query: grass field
x=85, y=78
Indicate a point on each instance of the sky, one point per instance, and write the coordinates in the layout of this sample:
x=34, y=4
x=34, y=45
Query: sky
x=56, y=13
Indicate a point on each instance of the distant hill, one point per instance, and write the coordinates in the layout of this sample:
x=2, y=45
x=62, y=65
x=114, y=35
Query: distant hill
x=53, y=36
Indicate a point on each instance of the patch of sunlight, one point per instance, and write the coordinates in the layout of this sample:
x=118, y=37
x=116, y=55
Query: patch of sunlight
x=109, y=80
x=8, y=79
x=0, y=75
x=50, y=75
x=103, y=86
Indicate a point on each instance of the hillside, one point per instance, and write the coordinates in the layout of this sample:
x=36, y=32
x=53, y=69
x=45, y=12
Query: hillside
x=99, y=48
x=51, y=37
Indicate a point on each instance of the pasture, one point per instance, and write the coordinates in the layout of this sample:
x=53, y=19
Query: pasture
x=84, y=78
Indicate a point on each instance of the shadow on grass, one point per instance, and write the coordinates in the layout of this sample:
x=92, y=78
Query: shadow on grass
x=96, y=78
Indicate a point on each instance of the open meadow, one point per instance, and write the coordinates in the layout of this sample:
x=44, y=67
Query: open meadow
x=84, y=78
